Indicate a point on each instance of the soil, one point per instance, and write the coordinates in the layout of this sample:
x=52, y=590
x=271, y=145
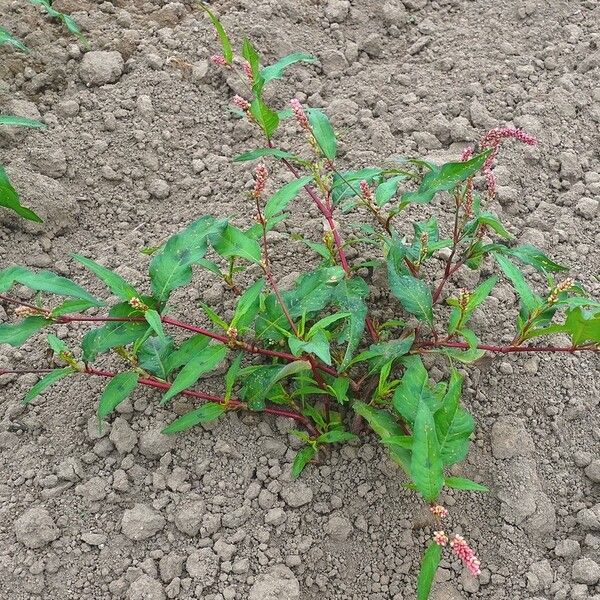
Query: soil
x=140, y=143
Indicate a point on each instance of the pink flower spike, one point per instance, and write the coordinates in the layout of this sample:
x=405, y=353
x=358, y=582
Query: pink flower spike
x=219, y=59
x=467, y=153
x=365, y=190
x=260, y=180
x=241, y=103
x=440, y=538
x=299, y=113
x=494, y=136
x=248, y=71
x=439, y=511
x=466, y=554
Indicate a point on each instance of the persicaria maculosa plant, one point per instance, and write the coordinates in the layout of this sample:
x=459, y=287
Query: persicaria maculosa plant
x=314, y=353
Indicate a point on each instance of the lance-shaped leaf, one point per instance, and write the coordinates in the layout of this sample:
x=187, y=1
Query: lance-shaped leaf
x=413, y=390
x=386, y=427
x=153, y=356
x=17, y=334
x=530, y=255
x=350, y=295
x=10, y=199
x=336, y=436
x=118, y=388
x=113, y=281
x=347, y=184
x=247, y=306
x=426, y=466
x=383, y=353
x=45, y=382
x=414, y=294
x=115, y=333
x=387, y=190
x=15, y=121
x=445, y=178
x=528, y=298
x=267, y=118
x=225, y=43
x=44, y=281
x=201, y=363
x=7, y=38
x=232, y=375
x=186, y=352
x=260, y=152
x=232, y=242
x=282, y=197
x=277, y=69
x=153, y=319
x=454, y=425
x=583, y=326
x=171, y=267
x=302, y=458
x=207, y=412
x=72, y=306
x=429, y=566
x=323, y=132
x=477, y=297
x=264, y=378
x=461, y=483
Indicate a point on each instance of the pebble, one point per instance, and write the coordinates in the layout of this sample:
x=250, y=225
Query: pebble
x=568, y=549
x=122, y=436
x=510, y=438
x=188, y=518
x=296, y=494
x=154, y=444
x=159, y=188
x=587, y=208
x=145, y=588
x=141, y=522
x=338, y=528
x=35, y=528
x=336, y=11
x=100, y=67
x=203, y=565
x=278, y=583
x=586, y=570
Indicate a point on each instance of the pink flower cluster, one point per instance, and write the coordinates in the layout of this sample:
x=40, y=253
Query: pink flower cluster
x=241, y=103
x=365, y=190
x=439, y=511
x=440, y=538
x=299, y=113
x=248, y=71
x=492, y=139
x=219, y=60
x=466, y=554
x=260, y=180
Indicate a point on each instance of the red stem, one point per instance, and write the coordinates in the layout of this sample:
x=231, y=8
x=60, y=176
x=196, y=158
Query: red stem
x=161, y=385
x=509, y=349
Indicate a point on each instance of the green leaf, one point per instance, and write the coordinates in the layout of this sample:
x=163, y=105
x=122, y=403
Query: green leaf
x=201, y=363
x=57, y=345
x=264, y=378
x=477, y=297
x=583, y=326
x=153, y=319
x=113, y=281
x=429, y=566
x=528, y=299
x=277, y=69
x=153, y=356
x=171, y=268
x=403, y=441
x=247, y=306
x=426, y=467
x=445, y=178
x=72, y=306
x=7, y=38
x=267, y=119
x=281, y=198
x=460, y=483
x=387, y=190
x=530, y=255
x=225, y=43
x=260, y=152
x=207, y=412
x=454, y=425
x=336, y=436
x=413, y=390
x=114, y=333
x=185, y=352
x=350, y=295
x=46, y=281
x=118, y=388
x=386, y=427
x=326, y=322
x=318, y=345
x=414, y=294
x=323, y=132
x=16, y=335
x=15, y=121
x=340, y=389
x=347, y=184
x=45, y=382
x=231, y=375
x=10, y=199
x=233, y=242
x=251, y=55
x=302, y=458
x=385, y=352
x=489, y=219
x=214, y=317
